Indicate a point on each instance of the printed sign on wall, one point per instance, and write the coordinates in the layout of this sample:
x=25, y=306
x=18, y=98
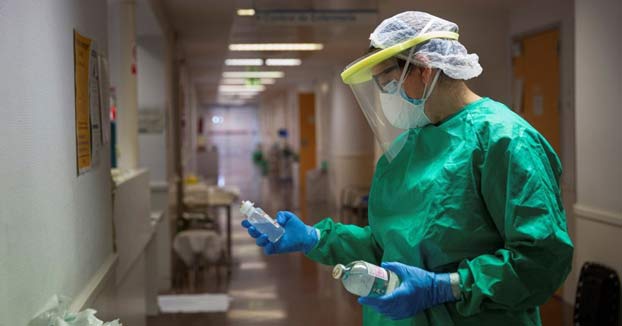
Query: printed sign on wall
x=82, y=56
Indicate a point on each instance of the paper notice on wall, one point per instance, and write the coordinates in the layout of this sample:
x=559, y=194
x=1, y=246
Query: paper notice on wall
x=104, y=98
x=517, y=95
x=82, y=55
x=538, y=105
x=150, y=121
x=95, y=107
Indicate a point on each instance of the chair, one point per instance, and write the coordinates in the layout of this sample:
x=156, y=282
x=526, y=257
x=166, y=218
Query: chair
x=598, y=296
x=198, y=248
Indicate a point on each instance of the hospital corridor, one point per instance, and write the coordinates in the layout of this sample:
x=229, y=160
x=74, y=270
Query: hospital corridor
x=311, y=162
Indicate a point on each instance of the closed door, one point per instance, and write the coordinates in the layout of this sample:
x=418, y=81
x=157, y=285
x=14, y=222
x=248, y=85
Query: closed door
x=536, y=82
x=307, y=142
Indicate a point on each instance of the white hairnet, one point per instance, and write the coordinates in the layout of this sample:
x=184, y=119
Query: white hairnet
x=448, y=55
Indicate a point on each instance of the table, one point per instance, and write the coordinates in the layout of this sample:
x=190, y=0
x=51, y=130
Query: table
x=204, y=196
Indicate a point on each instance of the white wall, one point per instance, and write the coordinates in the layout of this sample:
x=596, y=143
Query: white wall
x=599, y=153
x=55, y=227
x=122, y=46
x=275, y=113
x=190, y=120
x=236, y=138
x=352, y=142
x=598, y=98
x=152, y=96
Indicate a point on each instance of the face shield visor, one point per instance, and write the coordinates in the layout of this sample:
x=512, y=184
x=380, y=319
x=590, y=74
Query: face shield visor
x=376, y=81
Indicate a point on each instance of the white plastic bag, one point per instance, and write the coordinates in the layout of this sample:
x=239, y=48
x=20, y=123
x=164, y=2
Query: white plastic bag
x=56, y=313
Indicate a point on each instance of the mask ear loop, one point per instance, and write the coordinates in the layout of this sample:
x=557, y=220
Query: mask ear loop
x=410, y=55
x=403, y=76
x=427, y=91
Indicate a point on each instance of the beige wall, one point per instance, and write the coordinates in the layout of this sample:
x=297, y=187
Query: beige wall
x=598, y=116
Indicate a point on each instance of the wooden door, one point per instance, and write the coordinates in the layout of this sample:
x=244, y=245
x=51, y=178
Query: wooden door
x=307, y=159
x=535, y=66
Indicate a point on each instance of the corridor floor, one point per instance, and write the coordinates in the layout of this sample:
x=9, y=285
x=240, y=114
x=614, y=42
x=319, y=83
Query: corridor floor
x=270, y=290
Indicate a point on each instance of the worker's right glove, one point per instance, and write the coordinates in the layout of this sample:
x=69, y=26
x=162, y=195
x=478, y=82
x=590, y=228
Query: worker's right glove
x=418, y=291
x=298, y=237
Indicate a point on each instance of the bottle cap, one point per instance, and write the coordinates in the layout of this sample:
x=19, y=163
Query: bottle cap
x=247, y=207
x=338, y=271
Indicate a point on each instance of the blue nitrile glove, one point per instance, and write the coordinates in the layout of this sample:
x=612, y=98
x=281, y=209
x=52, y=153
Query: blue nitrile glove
x=418, y=290
x=297, y=237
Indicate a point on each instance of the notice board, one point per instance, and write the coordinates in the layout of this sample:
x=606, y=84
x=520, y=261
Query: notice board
x=82, y=56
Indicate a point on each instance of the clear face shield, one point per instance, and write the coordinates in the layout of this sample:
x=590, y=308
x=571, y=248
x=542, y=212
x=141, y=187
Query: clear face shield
x=376, y=81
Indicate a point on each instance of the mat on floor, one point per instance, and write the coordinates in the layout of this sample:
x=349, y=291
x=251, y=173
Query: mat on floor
x=193, y=303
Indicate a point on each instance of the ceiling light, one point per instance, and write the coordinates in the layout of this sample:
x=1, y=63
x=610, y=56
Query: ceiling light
x=283, y=62
x=241, y=88
x=233, y=81
x=246, y=81
x=231, y=102
x=217, y=119
x=276, y=47
x=246, y=12
x=243, y=62
x=253, y=74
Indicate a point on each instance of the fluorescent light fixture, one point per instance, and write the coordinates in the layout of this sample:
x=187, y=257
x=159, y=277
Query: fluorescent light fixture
x=254, y=314
x=276, y=47
x=233, y=81
x=246, y=12
x=253, y=265
x=244, y=62
x=253, y=74
x=229, y=102
x=240, y=88
x=283, y=62
x=244, y=81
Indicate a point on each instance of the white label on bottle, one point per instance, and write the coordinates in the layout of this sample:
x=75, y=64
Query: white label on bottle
x=269, y=219
x=378, y=272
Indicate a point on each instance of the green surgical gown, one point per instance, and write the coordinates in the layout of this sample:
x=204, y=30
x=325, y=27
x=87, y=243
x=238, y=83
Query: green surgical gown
x=477, y=194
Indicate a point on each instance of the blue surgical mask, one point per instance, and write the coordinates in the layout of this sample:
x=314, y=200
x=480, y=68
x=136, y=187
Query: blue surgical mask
x=413, y=101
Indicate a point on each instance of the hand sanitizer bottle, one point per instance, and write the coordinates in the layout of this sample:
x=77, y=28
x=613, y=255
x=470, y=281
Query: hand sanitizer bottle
x=262, y=221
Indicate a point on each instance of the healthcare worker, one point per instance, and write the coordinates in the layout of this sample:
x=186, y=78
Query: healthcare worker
x=465, y=203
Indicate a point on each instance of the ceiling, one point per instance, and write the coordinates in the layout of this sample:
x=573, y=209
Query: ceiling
x=207, y=27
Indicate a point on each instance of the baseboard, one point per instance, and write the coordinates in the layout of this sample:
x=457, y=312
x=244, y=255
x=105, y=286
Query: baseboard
x=95, y=285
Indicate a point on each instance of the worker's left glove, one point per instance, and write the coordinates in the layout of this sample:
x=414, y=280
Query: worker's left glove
x=418, y=290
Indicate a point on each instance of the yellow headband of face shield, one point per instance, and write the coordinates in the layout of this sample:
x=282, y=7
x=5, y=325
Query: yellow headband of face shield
x=360, y=71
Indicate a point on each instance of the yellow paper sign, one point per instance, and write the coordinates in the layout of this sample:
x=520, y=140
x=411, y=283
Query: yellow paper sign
x=82, y=53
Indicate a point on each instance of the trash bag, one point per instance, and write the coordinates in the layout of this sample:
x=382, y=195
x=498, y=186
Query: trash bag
x=56, y=313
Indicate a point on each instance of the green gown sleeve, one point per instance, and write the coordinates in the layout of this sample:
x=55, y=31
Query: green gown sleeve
x=344, y=243
x=520, y=187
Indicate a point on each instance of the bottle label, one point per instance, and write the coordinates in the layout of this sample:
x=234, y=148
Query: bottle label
x=377, y=272
x=381, y=280
x=269, y=219
x=379, y=288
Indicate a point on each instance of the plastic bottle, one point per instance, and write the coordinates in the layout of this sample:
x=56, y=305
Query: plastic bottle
x=365, y=279
x=262, y=221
